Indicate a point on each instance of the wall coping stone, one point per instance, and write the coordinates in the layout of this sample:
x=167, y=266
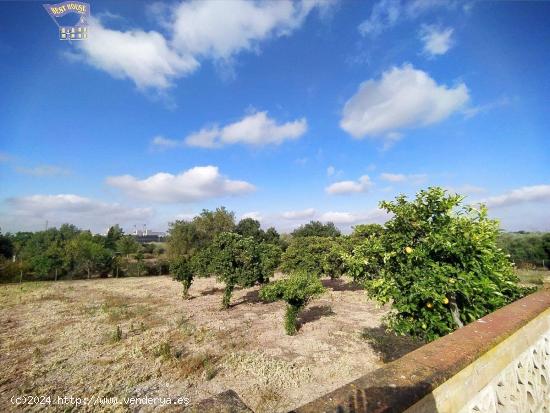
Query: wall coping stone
x=400, y=384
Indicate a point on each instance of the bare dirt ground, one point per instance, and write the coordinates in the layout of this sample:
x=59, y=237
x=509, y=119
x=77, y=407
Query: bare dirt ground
x=137, y=337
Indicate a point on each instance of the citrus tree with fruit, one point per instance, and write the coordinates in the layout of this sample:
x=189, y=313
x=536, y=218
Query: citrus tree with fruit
x=437, y=262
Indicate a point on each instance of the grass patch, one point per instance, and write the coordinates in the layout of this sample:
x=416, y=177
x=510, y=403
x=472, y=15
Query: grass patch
x=532, y=276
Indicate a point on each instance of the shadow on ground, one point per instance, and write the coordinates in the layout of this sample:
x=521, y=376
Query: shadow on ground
x=388, y=345
x=338, y=284
x=314, y=313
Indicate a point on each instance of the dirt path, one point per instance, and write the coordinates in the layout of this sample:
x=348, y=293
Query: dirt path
x=137, y=337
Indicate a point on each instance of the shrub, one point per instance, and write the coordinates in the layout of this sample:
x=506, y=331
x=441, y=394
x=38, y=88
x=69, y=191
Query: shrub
x=437, y=262
x=314, y=255
x=297, y=290
x=182, y=271
x=238, y=261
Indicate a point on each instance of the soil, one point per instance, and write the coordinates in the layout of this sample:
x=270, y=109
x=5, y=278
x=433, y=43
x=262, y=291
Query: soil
x=137, y=337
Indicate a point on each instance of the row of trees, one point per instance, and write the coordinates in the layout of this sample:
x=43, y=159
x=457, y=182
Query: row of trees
x=436, y=261
x=70, y=252
x=530, y=249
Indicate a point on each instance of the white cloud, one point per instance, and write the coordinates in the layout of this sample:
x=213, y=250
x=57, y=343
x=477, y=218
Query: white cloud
x=220, y=29
x=404, y=97
x=198, y=183
x=351, y=218
x=476, y=110
x=402, y=178
x=303, y=214
x=144, y=57
x=161, y=142
x=387, y=13
x=252, y=214
x=198, y=29
x=255, y=129
x=348, y=187
x=32, y=212
x=526, y=194
x=43, y=170
x=437, y=41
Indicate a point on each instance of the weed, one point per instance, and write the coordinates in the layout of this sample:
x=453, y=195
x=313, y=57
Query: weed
x=164, y=350
x=116, y=335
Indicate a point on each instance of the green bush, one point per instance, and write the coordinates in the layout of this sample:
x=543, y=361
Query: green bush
x=297, y=290
x=182, y=271
x=437, y=262
x=237, y=261
x=315, y=255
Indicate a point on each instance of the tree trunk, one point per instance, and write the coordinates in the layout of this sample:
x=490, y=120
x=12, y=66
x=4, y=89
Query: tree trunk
x=455, y=312
x=88, y=273
x=20, y=277
x=56, y=274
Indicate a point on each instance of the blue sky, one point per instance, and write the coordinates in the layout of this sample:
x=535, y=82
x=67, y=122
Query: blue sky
x=283, y=111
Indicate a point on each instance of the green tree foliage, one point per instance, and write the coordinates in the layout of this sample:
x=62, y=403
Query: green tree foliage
x=249, y=227
x=6, y=246
x=297, y=290
x=183, y=239
x=114, y=234
x=86, y=255
x=315, y=255
x=126, y=245
x=239, y=261
x=440, y=266
x=182, y=271
x=211, y=223
x=527, y=247
x=364, y=231
x=316, y=229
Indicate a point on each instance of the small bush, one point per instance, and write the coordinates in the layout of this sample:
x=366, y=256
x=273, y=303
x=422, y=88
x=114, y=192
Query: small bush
x=116, y=335
x=182, y=271
x=164, y=350
x=297, y=290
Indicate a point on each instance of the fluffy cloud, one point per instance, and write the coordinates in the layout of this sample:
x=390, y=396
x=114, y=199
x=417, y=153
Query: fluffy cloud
x=297, y=215
x=220, y=29
x=349, y=187
x=403, y=97
x=252, y=214
x=255, y=129
x=536, y=193
x=198, y=29
x=437, y=41
x=32, y=212
x=351, y=218
x=402, y=178
x=144, y=57
x=387, y=13
x=198, y=183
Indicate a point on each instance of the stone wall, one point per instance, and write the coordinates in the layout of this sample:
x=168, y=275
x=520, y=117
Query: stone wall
x=498, y=364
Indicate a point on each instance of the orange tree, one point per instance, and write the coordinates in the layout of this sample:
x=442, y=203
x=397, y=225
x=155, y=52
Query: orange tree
x=437, y=263
x=237, y=261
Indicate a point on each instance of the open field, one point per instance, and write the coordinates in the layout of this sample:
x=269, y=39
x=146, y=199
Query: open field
x=137, y=337
x=533, y=277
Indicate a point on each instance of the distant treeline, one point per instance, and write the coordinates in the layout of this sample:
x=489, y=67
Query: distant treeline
x=68, y=252
x=531, y=249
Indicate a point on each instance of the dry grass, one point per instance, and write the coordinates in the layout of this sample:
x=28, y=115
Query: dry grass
x=137, y=337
